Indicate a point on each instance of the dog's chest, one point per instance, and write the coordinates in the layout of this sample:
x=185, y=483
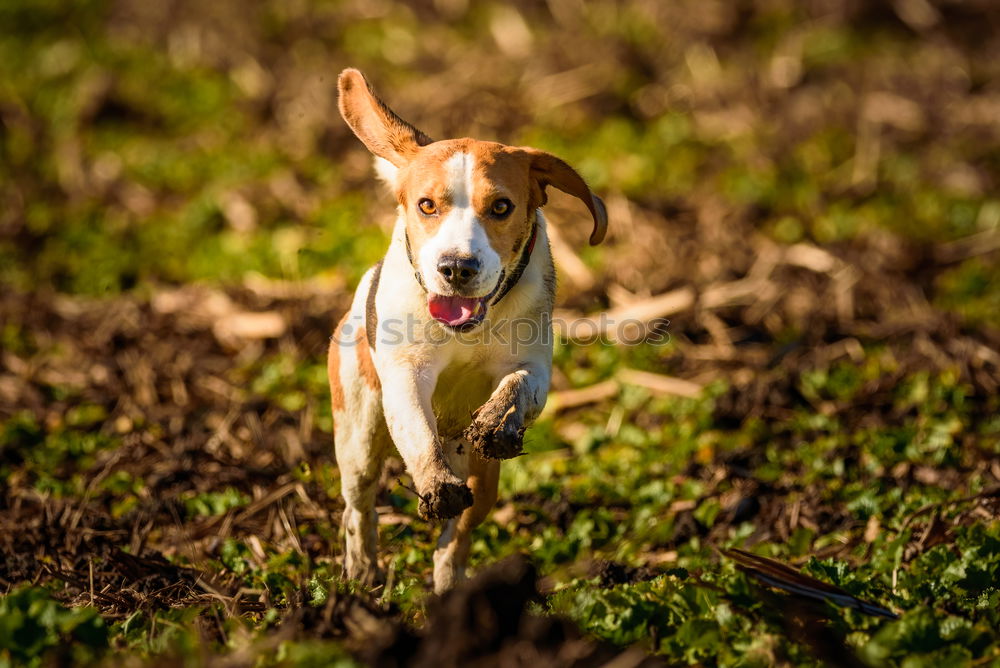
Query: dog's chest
x=462, y=388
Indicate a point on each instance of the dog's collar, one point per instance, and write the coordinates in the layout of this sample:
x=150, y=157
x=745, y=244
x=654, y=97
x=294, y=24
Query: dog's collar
x=413, y=265
x=506, y=282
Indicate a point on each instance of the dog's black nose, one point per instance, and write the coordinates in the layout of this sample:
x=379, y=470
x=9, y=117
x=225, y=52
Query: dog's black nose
x=458, y=270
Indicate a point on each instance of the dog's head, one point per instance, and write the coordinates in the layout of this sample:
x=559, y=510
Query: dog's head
x=469, y=205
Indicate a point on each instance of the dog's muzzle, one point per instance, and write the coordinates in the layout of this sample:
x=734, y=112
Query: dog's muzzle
x=465, y=313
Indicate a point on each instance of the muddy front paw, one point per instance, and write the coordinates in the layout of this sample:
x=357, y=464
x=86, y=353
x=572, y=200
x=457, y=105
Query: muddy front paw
x=495, y=436
x=445, y=500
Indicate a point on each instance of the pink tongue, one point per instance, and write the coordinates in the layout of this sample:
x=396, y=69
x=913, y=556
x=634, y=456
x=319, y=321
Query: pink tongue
x=452, y=311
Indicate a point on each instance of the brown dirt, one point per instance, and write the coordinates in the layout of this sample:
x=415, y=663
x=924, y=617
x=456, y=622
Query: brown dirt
x=486, y=622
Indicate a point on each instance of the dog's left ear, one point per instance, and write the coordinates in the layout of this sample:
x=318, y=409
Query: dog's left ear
x=377, y=126
x=548, y=170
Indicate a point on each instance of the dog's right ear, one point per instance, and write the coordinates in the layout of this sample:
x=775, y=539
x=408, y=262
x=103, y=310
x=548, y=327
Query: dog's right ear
x=384, y=133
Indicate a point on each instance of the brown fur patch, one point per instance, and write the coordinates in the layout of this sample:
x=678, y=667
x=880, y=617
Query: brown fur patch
x=484, y=476
x=366, y=367
x=333, y=367
x=504, y=174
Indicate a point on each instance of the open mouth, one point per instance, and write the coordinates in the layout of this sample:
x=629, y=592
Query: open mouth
x=457, y=312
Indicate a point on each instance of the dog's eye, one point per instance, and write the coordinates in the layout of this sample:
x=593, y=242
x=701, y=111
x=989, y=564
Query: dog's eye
x=501, y=208
x=427, y=207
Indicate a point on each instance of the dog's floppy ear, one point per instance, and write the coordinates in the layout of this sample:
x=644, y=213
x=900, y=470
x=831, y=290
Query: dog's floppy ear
x=384, y=133
x=548, y=170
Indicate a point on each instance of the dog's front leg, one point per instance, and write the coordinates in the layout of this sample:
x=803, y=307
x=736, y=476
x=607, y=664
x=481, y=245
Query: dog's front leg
x=497, y=429
x=406, y=400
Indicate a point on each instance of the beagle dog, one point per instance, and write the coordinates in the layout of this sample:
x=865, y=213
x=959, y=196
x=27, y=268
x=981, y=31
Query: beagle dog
x=446, y=351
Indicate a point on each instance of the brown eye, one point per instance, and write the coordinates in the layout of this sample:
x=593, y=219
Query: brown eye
x=427, y=207
x=501, y=208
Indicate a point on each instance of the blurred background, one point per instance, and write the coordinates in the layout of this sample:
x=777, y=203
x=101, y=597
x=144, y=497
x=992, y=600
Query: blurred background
x=149, y=144
x=809, y=191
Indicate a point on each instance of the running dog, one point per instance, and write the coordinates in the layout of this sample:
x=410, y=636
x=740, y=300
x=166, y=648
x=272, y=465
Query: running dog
x=432, y=356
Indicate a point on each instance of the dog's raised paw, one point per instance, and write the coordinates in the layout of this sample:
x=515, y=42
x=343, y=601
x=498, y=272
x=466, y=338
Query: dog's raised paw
x=445, y=501
x=503, y=441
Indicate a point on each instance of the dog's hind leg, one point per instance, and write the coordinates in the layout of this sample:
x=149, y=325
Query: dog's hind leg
x=452, y=553
x=362, y=442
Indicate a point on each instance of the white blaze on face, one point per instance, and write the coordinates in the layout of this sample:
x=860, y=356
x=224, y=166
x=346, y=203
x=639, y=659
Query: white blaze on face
x=461, y=233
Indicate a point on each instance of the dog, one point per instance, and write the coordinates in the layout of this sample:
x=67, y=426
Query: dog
x=427, y=358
